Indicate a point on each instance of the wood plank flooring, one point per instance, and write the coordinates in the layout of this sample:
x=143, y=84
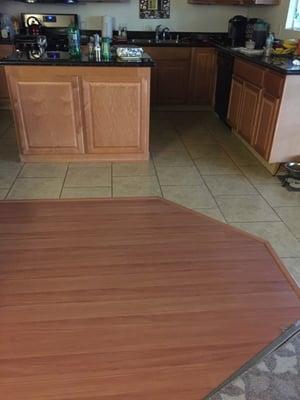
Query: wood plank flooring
x=130, y=299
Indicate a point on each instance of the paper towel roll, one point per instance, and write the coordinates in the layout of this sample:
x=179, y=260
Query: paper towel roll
x=107, y=26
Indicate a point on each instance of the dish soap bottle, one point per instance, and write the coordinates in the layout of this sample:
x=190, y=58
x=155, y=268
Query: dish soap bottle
x=74, y=41
x=269, y=45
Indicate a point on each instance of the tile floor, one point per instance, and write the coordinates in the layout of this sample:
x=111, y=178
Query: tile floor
x=194, y=162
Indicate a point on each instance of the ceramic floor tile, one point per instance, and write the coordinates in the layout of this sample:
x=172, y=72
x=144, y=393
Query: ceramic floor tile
x=248, y=208
x=44, y=170
x=293, y=266
x=198, y=136
x=211, y=212
x=211, y=150
x=189, y=196
x=8, y=176
x=135, y=186
x=142, y=168
x=3, y=193
x=85, y=192
x=282, y=240
x=291, y=217
x=217, y=166
x=90, y=164
x=171, y=176
x=229, y=185
x=10, y=164
x=243, y=157
x=259, y=175
x=279, y=196
x=36, y=188
x=172, y=158
x=161, y=145
x=88, y=176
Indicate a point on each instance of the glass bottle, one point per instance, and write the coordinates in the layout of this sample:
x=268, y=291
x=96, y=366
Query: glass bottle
x=74, y=41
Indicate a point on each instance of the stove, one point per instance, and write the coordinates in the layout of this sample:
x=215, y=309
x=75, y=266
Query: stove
x=53, y=26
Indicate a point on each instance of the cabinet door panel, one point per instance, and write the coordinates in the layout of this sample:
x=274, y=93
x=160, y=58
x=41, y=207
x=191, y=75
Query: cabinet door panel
x=172, y=80
x=123, y=99
x=235, y=102
x=267, y=118
x=5, y=50
x=202, y=78
x=41, y=126
x=249, y=108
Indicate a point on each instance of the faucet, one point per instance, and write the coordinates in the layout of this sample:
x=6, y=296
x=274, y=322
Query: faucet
x=164, y=31
x=157, y=32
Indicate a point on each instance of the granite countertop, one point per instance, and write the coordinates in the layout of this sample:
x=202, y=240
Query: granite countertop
x=283, y=64
x=63, y=59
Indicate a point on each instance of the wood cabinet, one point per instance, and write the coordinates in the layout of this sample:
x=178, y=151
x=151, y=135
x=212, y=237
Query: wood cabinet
x=248, y=111
x=255, y=100
x=47, y=111
x=114, y=106
x=170, y=76
x=267, y=118
x=202, y=76
x=182, y=75
x=5, y=50
x=81, y=113
x=235, y=102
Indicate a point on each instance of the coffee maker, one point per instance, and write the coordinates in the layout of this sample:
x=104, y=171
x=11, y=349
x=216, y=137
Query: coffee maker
x=257, y=30
x=237, y=31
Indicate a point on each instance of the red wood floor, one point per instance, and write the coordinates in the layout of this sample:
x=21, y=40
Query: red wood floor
x=130, y=299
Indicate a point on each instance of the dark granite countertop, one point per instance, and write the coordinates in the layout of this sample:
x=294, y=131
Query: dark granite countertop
x=63, y=59
x=283, y=64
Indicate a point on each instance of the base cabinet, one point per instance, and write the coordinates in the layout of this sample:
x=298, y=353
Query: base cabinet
x=255, y=99
x=235, y=102
x=182, y=75
x=81, y=113
x=5, y=50
x=266, y=123
x=248, y=111
x=203, y=76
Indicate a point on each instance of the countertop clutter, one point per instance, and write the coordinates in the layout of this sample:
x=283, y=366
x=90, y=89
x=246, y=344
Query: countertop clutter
x=57, y=58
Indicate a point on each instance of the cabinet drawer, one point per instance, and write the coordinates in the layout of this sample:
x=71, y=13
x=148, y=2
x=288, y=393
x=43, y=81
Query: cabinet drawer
x=5, y=50
x=274, y=83
x=249, y=72
x=168, y=53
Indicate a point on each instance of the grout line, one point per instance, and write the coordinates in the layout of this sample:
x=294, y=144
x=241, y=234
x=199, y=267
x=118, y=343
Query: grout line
x=64, y=180
x=15, y=180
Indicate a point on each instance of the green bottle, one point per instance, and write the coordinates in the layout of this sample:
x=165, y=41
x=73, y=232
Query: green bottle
x=74, y=41
x=106, y=55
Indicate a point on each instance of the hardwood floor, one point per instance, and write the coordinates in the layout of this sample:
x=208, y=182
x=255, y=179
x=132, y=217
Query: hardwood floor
x=130, y=299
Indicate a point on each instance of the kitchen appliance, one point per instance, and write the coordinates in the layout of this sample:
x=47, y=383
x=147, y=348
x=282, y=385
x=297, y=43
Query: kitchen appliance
x=53, y=26
x=237, y=31
x=257, y=30
x=223, y=85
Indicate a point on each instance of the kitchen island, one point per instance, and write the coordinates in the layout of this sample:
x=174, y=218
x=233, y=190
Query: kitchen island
x=76, y=110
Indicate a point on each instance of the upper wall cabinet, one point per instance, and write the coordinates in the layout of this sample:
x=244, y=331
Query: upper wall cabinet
x=236, y=2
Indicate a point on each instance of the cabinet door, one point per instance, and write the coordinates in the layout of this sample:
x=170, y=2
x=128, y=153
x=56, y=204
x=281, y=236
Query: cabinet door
x=249, y=109
x=5, y=50
x=116, y=108
x=172, y=81
x=48, y=111
x=202, y=76
x=266, y=123
x=235, y=102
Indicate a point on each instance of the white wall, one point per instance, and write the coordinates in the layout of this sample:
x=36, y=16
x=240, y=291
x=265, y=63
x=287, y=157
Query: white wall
x=276, y=16
x=184, y=16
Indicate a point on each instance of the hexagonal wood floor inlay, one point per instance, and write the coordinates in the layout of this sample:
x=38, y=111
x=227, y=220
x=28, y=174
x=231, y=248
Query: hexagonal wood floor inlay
x=130, y=299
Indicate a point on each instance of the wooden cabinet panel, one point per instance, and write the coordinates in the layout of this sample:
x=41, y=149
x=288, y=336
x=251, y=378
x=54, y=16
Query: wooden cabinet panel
x=172, y=81
x=266, y=122
x=235, y=102
x=248, y=111
x=249, y=72
x=5, y=50
x=45, y=102
x=202, y=76
x=127, y=100
x=170, y=75
x=273, y=83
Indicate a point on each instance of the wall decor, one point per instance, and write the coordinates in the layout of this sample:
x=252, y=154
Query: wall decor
x=154, y=9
